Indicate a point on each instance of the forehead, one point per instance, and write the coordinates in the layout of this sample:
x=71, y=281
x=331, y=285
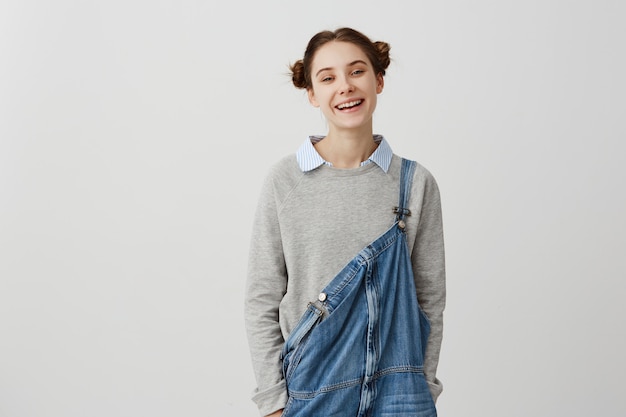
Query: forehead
x=337, y=54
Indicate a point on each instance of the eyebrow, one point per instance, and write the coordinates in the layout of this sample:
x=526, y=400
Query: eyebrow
x=358, y=61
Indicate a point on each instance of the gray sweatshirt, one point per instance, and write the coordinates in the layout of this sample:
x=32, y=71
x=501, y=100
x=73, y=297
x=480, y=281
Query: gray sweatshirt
x=308, y=226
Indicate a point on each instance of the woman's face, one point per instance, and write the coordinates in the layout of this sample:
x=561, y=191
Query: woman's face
x=344, y=86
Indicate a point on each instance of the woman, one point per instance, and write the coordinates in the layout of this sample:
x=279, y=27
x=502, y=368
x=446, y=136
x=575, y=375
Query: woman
x=346, y=282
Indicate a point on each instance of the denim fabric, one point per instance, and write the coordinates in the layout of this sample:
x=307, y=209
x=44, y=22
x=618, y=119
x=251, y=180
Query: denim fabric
x=359, y=350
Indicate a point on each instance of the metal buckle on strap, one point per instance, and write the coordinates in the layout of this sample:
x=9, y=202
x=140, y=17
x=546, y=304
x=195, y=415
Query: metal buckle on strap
x=402, y=211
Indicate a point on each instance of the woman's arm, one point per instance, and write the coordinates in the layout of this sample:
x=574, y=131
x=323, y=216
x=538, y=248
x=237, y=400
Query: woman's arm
x=266, y=286
x=428, y=261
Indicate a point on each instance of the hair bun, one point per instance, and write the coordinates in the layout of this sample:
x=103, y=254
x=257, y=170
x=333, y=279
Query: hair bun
x=297, y=74
x=383, y=49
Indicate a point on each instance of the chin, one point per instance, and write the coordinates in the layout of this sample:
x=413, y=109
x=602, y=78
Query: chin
x=354, y=125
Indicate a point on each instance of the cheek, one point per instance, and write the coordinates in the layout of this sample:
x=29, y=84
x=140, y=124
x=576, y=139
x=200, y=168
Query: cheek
x=323, y=98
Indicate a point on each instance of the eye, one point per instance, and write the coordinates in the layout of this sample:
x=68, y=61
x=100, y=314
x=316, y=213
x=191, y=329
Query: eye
x=357, y=72
x=326, y=79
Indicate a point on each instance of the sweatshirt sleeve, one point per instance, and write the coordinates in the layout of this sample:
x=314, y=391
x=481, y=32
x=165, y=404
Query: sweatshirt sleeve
x=428, y=261
x=265, y=288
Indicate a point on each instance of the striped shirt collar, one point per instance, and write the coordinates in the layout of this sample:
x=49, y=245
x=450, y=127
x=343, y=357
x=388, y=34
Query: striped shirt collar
x=309, y=159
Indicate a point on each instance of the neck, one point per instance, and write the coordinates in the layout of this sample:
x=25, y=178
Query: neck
x=347, y=148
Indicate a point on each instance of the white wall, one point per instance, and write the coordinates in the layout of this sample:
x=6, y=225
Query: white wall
x=133, y=139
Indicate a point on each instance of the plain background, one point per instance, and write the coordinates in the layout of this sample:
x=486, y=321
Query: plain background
x=134, y=136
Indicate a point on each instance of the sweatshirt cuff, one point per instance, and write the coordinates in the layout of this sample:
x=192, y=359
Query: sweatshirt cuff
x=436, y=387
x=271, y=399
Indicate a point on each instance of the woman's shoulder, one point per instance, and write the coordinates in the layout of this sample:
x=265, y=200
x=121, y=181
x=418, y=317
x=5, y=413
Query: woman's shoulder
x=421, y=173
x=283, y=175
x=424, y=187
x=284, y=168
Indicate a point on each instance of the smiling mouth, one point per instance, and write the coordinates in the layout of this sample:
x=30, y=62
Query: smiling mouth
x=349, y=105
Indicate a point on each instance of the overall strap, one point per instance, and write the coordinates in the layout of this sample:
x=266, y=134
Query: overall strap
x=406, y=179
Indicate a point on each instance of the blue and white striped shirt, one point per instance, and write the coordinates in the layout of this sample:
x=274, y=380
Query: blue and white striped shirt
x=309, y=159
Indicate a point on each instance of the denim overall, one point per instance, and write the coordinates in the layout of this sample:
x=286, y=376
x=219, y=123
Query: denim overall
x=358, y=351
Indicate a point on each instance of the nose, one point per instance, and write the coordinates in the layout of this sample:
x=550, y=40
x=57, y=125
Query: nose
x=345, y=86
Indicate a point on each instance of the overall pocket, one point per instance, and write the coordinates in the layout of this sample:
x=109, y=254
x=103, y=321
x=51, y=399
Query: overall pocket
x=292, y=349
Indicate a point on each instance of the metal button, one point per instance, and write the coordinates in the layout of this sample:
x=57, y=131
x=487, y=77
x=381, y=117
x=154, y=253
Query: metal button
x=401, y=224
x=322, y=296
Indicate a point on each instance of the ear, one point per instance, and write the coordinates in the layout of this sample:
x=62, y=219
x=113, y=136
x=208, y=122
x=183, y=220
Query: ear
x=312, y=99
x=380, y=83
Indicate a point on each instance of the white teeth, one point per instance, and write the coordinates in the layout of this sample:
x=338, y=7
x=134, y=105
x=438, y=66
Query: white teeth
x=348, y=105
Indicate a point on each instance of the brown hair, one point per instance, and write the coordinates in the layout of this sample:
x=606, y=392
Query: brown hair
x=377, y=52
